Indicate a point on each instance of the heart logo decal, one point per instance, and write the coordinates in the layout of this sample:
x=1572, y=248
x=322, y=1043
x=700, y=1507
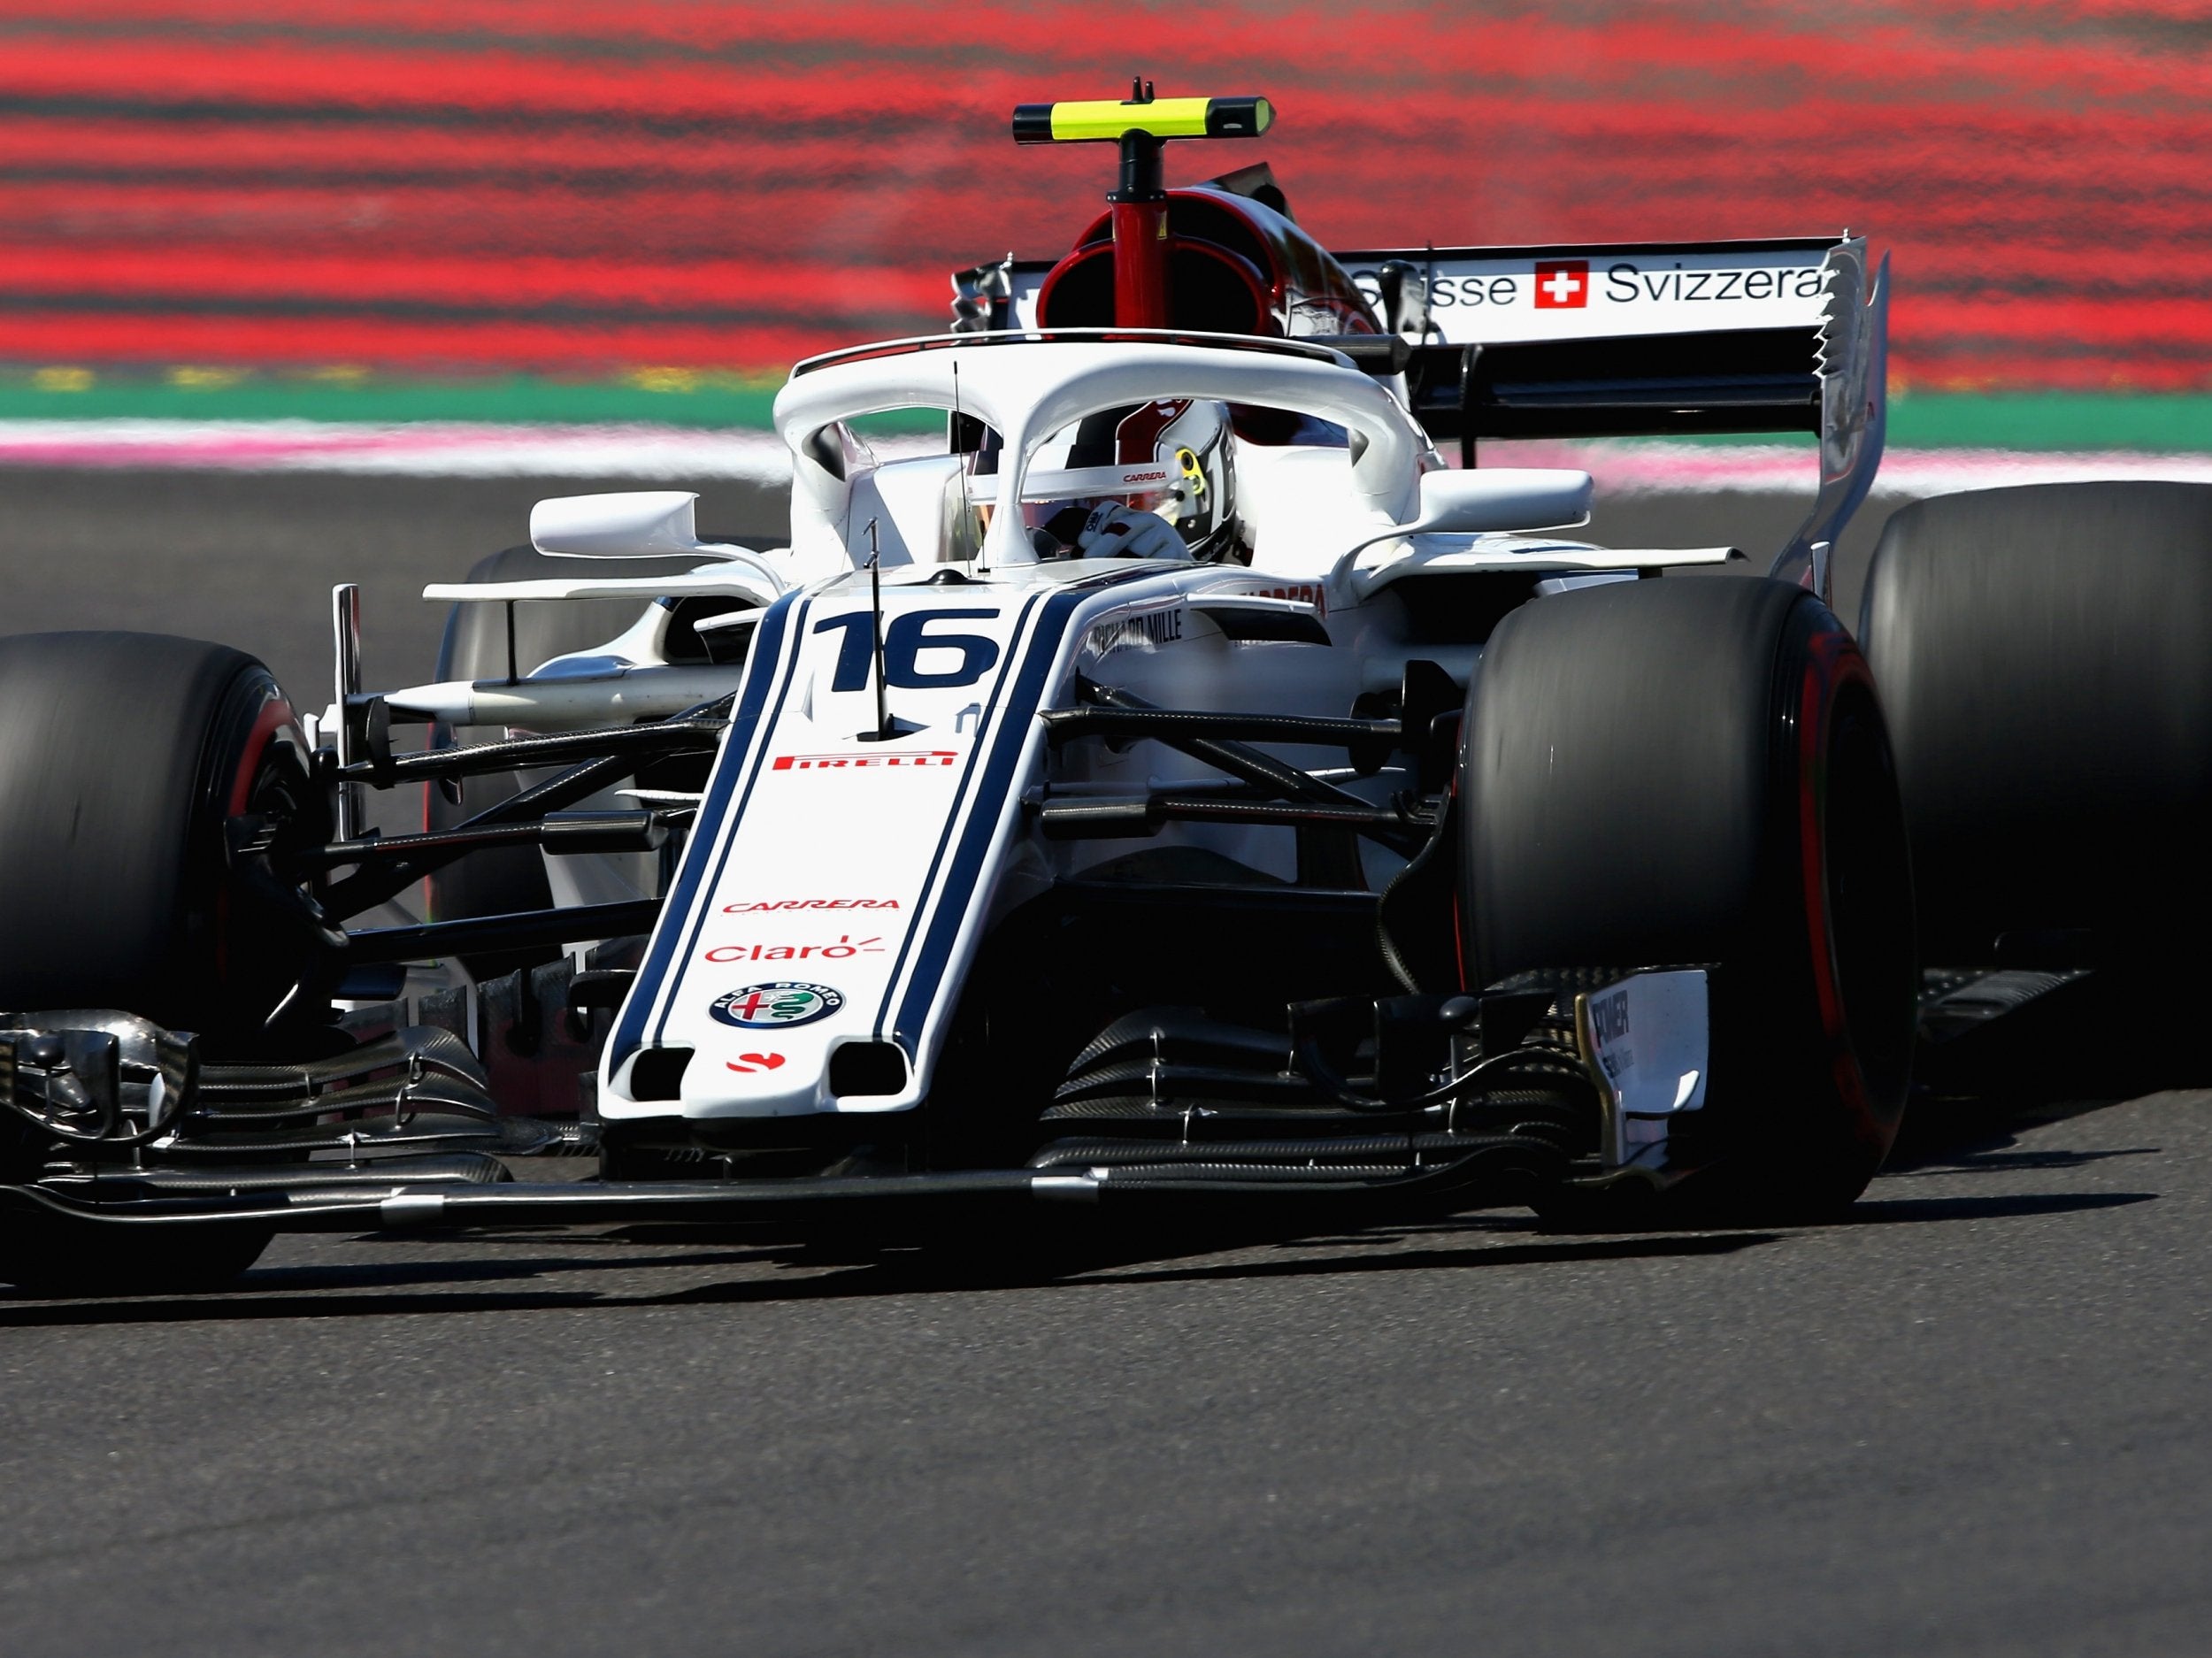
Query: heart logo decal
x=752, y=1062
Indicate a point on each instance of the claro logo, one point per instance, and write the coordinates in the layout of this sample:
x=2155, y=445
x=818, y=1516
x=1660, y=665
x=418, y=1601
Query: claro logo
x=846, y=947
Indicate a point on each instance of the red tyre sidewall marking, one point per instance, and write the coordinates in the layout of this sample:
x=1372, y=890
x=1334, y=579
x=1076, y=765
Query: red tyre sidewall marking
x=1835, y=663
x=275, y=716
x=1459, y=910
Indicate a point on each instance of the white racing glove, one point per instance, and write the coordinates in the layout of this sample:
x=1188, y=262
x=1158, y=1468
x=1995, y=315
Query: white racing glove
x=1119, y=532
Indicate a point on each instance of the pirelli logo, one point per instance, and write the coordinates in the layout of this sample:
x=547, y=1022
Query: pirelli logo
x=905, y=761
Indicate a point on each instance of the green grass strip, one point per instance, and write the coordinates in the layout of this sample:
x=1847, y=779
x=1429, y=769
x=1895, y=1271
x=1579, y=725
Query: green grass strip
x=667, y=397
x=2158, y=425
x=2046, y=421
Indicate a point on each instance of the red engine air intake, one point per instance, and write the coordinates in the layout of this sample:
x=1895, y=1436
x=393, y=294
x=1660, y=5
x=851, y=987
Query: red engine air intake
x=1142, y=277
x=1227, y=264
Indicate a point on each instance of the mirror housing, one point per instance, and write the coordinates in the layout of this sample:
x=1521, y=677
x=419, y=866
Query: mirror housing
x=633, y=524
x=1477, y=503
x=1499, y=498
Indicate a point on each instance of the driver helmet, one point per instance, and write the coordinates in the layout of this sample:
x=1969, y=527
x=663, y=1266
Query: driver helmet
x=1174, y=457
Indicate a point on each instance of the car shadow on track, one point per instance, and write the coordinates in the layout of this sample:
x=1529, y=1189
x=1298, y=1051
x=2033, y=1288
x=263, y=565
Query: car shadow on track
x=373, y=1289
x=1890, y=1211
x=371, y=1275
x=1959, y=1132
x=1997, y=1160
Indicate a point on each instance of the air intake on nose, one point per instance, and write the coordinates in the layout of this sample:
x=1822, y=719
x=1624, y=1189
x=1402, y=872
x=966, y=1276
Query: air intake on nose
x=659, y=1073
x=860, y=1069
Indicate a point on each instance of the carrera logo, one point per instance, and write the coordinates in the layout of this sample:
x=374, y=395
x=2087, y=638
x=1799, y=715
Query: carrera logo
x=846, y=947
x=758, y=906
x=1562, y=284
x=906, y=762
x=1302, y=592
x=1151, y=475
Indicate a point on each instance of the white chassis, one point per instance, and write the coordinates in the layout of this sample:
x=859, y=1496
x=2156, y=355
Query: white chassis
x=836, y=885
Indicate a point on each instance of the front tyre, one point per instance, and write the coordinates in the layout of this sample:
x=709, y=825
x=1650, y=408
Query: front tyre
x=123, y=758
x=1696, y=771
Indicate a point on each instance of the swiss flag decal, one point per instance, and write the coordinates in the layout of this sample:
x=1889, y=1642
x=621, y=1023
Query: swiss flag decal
x=1562, y=284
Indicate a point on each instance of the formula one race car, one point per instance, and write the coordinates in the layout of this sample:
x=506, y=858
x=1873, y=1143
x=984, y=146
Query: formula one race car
x=1182, y=788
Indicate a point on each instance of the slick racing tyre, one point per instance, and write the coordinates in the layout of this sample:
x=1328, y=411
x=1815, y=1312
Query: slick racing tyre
x=2044, y=655
x=1661, y=773
x=122, y=757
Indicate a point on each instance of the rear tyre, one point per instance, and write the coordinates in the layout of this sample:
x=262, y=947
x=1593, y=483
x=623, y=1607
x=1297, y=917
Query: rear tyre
x=1675, y=773
x=2044, y=655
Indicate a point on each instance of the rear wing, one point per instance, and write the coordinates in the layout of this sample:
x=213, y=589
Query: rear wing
x=1616, y=340
x=1622, y=341
x=1647, y=339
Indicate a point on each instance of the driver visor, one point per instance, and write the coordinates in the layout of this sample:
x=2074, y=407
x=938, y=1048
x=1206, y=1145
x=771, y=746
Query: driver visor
x=1146, y=488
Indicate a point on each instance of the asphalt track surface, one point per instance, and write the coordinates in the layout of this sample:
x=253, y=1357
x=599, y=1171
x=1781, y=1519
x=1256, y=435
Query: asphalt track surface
x=1969, y=1420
